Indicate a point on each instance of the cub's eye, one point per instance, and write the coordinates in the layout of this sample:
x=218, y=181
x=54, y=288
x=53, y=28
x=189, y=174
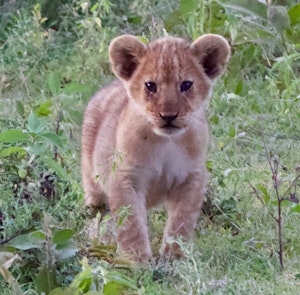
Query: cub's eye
x=185, y=86
x=151, y=86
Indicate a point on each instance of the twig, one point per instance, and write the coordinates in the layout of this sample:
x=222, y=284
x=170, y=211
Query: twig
x=261, y=200
x=278, y=219
x=292, y=185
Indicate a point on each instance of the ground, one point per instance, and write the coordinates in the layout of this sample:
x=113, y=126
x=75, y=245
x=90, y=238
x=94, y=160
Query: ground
x=52, y=60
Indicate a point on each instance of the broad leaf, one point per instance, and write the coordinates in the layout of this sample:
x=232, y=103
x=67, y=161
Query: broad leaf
x=52, y=138
x=60, y=291
x=62, y=235
x=113, y=288
x=117, y=277
x=46, y=280
x=250, y=7
x=44, y=109
x=296, y=209
x=28, y=241
x=294, y=14
x=83, y=281
x=54, y=83
x=14, y=135
x=279, y=18
x=34, y=125
x=12, y=150
x=188, y=6
x=66, y=250
x=56, y=167
x=76, y=88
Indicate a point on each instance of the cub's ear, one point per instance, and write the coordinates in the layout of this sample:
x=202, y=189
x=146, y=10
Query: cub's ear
x=213, y=52
x=124, y=54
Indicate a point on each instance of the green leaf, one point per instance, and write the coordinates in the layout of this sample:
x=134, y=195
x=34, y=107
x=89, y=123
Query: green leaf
x=279, y=18
x=113, y=288
x=12, y=150
x=20, y=108
x=266, y=195
x=13, y=135
x=256, y=9
x=296, y=209
x=54, y=83
x=46, y=280
x=60, y=291
x=72, y=291
x=214, y=119
x=297, y=276
x=22, y=172
x=62, y=235
x=52, y=138
x=38, y=235
x=34, y=125
x=283, y=203
x=66, y=250
x=44, y=108
x=173, y=20
x=27, y=241
x=83, y=281
x=232, y=131
x=209, y=165
x=188, y=6
x=120, y=279
x=239, y=87
x=259, y=245
x=294, y=14
x=76, y=88
x=56, y=167
x=256, y=108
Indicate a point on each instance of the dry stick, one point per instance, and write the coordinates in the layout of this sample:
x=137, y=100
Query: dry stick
x=278, y=219
x=279, y=199
x=56, y=132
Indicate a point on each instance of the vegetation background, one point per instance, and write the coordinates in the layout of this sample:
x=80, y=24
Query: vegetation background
x=54, y=57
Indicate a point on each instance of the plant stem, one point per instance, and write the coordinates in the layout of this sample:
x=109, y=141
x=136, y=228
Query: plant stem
x=274, y=170
x=280, y=252
x=279, y=217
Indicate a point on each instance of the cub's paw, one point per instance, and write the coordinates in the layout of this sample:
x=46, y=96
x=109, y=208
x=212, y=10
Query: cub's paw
x=172, y=250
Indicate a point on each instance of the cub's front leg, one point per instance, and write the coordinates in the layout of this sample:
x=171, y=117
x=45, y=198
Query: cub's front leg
x=183, y=208
x=133, y=234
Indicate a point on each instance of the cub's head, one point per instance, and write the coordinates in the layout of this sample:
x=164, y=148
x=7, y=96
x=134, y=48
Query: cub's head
x=169, y=79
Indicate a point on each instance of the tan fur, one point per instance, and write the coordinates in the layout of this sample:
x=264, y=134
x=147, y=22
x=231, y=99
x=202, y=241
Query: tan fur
x=157, y=160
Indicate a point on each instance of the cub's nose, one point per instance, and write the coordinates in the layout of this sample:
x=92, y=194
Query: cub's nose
x=168, y=117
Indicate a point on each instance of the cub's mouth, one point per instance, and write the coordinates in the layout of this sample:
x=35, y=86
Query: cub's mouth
x=168, y=129
x=169, y=126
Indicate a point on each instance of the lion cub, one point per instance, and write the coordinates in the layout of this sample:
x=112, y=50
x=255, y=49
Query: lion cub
x=150, y=125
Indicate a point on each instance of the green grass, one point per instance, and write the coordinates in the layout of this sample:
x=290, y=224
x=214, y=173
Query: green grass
x=48, y=71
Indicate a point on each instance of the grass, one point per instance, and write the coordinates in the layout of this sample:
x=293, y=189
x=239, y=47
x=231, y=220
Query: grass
x=48, y=71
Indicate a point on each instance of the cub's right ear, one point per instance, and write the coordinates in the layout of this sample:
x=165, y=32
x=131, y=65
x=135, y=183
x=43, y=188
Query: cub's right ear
x=124, y=55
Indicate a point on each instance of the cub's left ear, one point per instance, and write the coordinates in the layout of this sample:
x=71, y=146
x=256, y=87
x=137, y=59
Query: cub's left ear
x=213, y=52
